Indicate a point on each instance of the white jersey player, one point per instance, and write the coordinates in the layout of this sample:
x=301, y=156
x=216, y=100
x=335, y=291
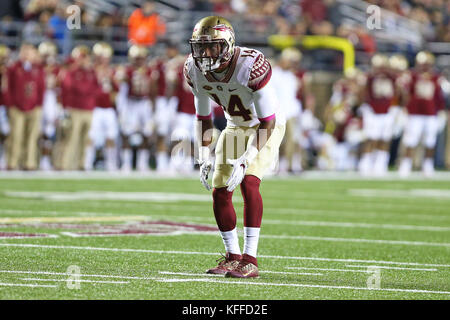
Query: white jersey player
x=237, y=79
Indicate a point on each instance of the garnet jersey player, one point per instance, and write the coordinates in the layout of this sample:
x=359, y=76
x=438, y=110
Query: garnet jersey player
x=136, y=114
x=50, y=108
x=105, y=127
x=379, y=121
x=236, y=78
x=4, y=121
x=425, y=101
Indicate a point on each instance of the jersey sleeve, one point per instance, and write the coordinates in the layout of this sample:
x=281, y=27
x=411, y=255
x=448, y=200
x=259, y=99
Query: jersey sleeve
x=265, y=101
x=260, y=74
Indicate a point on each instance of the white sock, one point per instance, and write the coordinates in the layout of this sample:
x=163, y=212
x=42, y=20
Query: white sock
x=111, y=159
x=45, y=163
x=251, y=237
x=365, y=163
x=428, y=166
x=2, y=158
x=143, y=156
x=127, y=156
x=231, y=241
x=162, y=160
x=405, y=166
x=382, y=161
x=89, y=158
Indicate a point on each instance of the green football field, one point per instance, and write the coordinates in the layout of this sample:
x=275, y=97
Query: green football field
x=99, y=236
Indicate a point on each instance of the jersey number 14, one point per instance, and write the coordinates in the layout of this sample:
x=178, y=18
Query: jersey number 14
x=235, y=107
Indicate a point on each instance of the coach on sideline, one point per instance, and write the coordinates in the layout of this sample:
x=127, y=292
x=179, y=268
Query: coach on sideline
x=79, y=89
x=26, y=85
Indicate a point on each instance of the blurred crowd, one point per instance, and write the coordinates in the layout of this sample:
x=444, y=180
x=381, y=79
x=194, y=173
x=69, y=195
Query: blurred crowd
x=77, y=110
x=85, y=113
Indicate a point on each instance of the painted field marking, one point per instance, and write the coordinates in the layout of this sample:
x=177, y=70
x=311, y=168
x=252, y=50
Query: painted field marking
x=327, y=269
x=439, y=194
x=109, y=196
x=65, y=280
x=221, y=275
x=333, y=239
x=81, y=275
x=315, y=223
x=393, y=268
x=247, y=283
x=26, y=245
x=27, y=285
x=73, y=219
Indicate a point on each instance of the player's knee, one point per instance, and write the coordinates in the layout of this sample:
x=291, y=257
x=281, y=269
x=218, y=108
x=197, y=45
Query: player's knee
x=250, y=186
x=221, y=196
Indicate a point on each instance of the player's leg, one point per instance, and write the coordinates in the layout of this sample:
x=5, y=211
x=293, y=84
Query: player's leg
x=95, y=130
x=383, y=144
x=146, y=128
x=430, y=136
x=410, y=140
x=369, y=127
x=253, y=204
x=86, y=121
x=4, y=134
x=111, y=133
x=162, y=117
x=181, y=155
x=17, y=118
x=129, y=122
x=223, y=206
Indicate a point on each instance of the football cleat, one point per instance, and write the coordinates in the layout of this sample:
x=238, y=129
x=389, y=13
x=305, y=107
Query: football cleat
x=225, y=264
x=245, y=269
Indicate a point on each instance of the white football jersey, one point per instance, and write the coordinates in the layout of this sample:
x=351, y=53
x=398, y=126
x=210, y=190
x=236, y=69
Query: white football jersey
x=287, y=85
x=244, y=92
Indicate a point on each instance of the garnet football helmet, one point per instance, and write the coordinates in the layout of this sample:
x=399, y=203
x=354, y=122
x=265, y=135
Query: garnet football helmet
x=212, y=43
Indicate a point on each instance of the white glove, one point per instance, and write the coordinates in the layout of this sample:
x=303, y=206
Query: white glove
x=205, y=166
x=240, y=165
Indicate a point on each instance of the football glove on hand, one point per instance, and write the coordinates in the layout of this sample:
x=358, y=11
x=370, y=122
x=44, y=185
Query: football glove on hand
x=205, y=166
x=240, y=166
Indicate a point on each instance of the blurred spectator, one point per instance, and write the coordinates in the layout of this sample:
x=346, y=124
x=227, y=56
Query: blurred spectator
x=12, y=9
x=145, y=25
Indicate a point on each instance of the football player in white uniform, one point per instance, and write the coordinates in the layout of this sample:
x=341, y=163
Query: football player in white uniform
x=4, y=122
x=237, y=79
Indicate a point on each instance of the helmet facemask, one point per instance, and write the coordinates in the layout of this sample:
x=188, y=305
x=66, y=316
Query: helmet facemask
x=208, y=54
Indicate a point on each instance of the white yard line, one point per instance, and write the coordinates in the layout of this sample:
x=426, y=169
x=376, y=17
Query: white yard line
x=109, y=196
x=93, y=216
x=262, y=271
x=377, y=241
x=27, y=285
x=438, y=194
x=26, y=245
x=80, y=280
x=393, y=268
x=327, y=269
x=81, y=275
x=248, y=283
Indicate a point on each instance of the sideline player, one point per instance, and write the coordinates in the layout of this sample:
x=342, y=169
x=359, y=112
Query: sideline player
x=105, y=128
x=135, y=115
x=50, y=107
x=236, y=78
x=425, y=103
